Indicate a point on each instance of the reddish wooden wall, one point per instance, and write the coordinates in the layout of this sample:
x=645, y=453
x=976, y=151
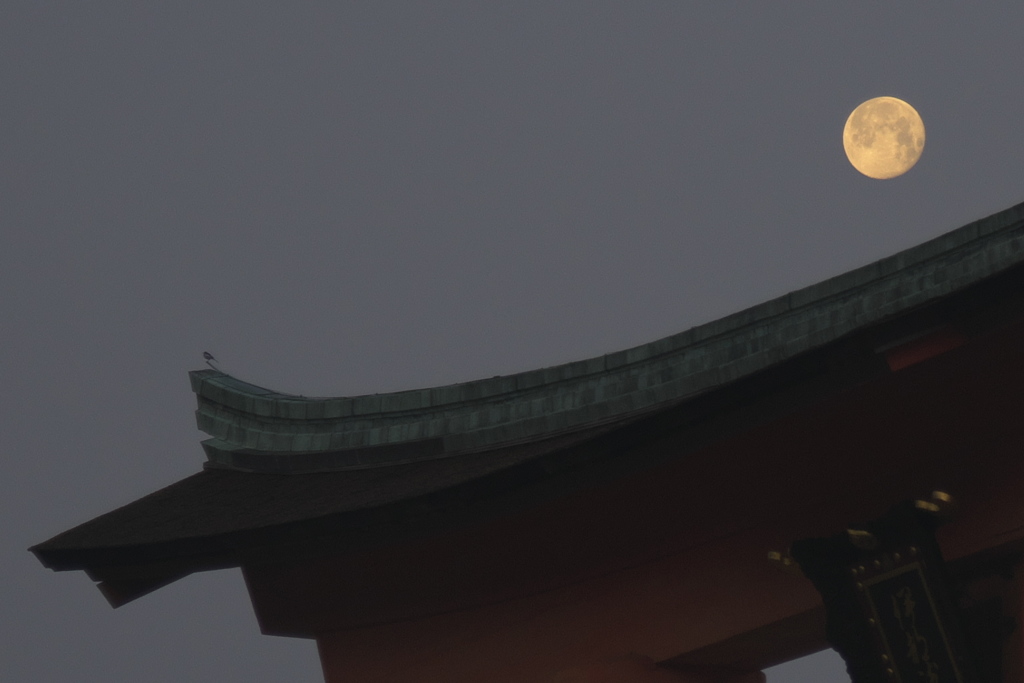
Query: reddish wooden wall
x=670, y=566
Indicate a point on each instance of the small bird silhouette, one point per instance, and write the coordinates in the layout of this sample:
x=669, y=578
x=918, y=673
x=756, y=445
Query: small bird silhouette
x=210, y=360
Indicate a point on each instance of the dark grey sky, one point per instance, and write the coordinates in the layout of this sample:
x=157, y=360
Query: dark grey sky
x=343, y=198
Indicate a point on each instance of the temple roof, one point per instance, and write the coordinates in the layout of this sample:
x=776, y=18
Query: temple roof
x=299, y=472
x=255, y=429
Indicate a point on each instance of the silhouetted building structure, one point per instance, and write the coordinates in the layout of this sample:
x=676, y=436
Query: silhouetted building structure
x=610, y=519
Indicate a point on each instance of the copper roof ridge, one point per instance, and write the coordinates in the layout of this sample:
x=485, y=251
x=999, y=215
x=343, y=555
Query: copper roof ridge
x=533, y=405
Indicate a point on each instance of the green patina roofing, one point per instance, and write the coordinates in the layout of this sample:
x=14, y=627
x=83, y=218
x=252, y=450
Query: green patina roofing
x=255, y=428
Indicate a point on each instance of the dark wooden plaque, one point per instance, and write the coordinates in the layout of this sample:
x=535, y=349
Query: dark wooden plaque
x=888, y=605
x=908, y=626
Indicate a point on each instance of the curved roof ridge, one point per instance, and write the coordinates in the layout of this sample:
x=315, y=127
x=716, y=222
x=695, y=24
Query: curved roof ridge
x=248, y=421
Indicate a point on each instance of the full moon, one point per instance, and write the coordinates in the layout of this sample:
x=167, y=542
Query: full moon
x=884, y=137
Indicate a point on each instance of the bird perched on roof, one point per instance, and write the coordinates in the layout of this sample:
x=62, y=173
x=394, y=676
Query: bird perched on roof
x=210, y=360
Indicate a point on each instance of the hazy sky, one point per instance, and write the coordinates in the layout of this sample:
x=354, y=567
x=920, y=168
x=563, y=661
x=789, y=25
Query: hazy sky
x=342, y=198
